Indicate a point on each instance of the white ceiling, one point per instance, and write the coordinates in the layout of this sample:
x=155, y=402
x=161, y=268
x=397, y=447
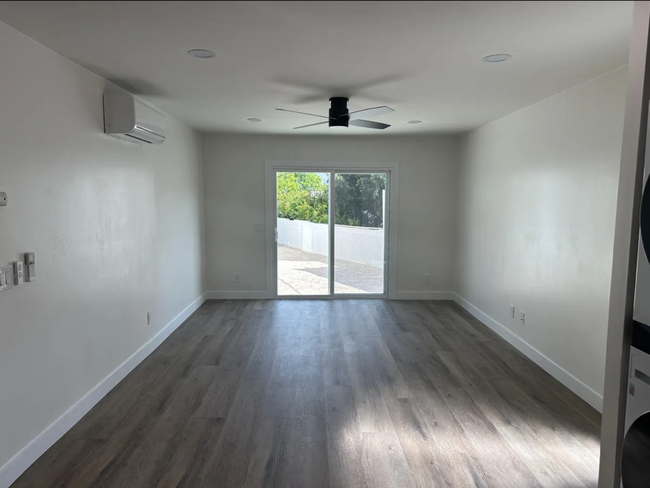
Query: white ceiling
x=421, y=58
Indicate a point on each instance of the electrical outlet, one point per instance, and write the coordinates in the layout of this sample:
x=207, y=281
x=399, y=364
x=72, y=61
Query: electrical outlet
x=427, y=278
x=237, y=278
x=522, y=317
x=512, y=311
x=148, y=318
x=259, y=228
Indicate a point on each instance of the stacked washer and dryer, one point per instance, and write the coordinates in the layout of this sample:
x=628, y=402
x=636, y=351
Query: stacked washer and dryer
x=635, y=462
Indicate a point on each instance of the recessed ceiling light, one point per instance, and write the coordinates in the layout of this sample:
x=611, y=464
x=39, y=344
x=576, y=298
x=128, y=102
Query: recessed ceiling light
x=496, y=58
x=413, y=122
x=201, y=53
x=254, y=119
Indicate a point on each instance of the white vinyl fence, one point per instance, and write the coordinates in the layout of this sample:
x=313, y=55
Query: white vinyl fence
x=364, y=245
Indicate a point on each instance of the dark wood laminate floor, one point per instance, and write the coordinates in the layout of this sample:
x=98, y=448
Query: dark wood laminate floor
x=345, y=394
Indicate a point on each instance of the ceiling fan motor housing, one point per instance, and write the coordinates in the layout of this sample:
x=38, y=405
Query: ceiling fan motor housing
x=339, y=112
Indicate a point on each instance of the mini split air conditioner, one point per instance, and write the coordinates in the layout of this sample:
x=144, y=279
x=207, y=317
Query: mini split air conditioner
x=130, y=119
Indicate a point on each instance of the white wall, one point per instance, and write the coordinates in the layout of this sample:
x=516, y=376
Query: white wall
x=537, y=205
x=116, y=228
x=304, y=235
x=363, y=245
x=234, y=188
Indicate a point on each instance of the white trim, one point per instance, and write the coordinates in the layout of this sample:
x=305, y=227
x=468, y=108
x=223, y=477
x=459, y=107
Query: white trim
x=393, y=221
x=341, y=296
x=270, y=213
x=238, y=295
x=425, y=295
x=17, y=465
x=585, y=392
x=271, y=166
x=331, y=228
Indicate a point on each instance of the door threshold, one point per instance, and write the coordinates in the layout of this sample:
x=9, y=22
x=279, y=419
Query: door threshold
x=330, y=297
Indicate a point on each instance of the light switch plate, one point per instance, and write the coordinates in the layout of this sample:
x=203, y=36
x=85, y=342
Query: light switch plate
x=19, y=273
x=7, y=277
x=30, y=267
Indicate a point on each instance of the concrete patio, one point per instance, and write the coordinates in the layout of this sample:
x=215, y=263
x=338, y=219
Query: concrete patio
x=305, y=273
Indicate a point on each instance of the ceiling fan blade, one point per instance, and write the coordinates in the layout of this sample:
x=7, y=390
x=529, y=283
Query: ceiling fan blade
x=302, y=113
x=370, y=112
x=368, y=124
x=311, y=125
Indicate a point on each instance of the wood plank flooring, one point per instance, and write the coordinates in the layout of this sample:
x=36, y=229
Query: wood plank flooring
x=340, y=394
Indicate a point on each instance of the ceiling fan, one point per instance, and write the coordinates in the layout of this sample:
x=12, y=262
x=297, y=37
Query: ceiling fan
x=340, y=116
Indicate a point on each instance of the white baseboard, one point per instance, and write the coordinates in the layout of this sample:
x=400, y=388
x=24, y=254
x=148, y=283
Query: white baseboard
x=589, y=395
x=237, y=295
x=424, y=295
x=32, y=451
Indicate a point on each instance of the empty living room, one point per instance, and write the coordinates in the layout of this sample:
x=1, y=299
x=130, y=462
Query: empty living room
x=313, y=244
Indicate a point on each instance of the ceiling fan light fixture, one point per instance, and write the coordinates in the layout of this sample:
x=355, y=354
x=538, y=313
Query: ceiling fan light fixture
x=201, y=53
x=497, y=58
x=414, y=122
x=340, y=116
x=254, y=119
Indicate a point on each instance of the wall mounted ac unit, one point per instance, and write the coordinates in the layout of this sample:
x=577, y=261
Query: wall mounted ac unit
x=130, y=119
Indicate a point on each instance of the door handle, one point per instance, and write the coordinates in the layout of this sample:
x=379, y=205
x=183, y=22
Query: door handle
x=277, y=235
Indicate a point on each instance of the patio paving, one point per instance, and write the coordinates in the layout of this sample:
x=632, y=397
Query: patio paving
x=305, y=273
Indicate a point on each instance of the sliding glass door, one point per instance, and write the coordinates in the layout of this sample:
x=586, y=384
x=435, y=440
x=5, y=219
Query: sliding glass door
x=302, y=236
x=359, y=238
x=330, y=237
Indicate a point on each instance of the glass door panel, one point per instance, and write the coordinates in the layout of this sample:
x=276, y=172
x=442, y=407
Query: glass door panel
x=359, y=233
x=302, y=233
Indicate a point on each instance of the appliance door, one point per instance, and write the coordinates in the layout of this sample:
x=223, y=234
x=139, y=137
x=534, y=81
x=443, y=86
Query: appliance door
x=642, y=292
x=645, y=221
x=635, y=464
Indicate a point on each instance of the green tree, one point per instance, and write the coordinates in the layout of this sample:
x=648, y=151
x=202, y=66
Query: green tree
x=359, y=198
x=302, y=196
x=310, y=181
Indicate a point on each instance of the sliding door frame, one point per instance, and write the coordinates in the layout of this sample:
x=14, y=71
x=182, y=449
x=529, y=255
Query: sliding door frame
x=390, y=237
